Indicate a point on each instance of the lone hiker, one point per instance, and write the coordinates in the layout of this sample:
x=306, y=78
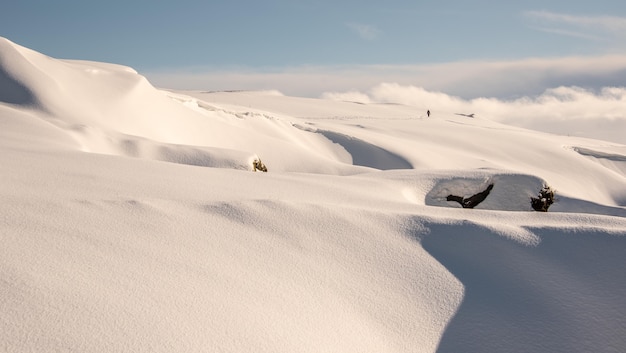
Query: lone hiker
x=428, y=113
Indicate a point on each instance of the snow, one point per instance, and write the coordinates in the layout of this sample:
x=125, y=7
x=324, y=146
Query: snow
x=132, y=221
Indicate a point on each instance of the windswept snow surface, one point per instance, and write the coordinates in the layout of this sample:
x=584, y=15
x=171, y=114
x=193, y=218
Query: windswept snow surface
x=131, y=221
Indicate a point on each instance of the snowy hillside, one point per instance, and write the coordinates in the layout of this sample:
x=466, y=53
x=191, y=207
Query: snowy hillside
x=132, y=220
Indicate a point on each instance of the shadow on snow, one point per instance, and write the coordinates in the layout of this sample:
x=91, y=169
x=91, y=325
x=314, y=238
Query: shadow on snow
x=563, y=295
x=367, y=155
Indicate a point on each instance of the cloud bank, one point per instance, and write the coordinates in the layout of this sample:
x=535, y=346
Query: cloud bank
x=468, y=79
x=564, y=110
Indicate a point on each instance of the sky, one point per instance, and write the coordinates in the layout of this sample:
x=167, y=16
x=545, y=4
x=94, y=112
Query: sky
x=306, y=48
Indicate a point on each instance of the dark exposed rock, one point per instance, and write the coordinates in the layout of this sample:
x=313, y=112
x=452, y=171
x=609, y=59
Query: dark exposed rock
x=472, y=201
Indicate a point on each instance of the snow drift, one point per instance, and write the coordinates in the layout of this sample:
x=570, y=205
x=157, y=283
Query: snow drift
x=132, y=221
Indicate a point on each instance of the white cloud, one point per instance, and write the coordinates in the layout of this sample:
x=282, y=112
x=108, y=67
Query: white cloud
x=350, y=96
x=366, y=32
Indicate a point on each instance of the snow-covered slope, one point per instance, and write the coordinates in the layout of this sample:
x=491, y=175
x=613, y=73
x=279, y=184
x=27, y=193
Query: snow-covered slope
x=132, y=221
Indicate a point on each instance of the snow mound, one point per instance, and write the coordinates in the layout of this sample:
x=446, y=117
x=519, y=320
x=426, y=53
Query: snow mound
x=111, y=109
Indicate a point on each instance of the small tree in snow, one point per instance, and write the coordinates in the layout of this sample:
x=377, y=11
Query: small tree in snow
x=258, y=165
x=544, y=199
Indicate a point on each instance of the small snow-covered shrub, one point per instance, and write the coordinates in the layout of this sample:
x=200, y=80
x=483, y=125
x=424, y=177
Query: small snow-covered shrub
x=544, y=199
x=258, y=165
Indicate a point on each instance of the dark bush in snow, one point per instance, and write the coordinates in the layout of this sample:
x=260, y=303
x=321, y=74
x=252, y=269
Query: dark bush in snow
x=544, y=199
x=258, y=165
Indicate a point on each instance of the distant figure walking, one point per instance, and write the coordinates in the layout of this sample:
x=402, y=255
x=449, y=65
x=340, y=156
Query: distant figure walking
x=428, y=113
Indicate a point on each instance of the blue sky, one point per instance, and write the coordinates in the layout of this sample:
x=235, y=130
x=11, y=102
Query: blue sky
x=205, y=44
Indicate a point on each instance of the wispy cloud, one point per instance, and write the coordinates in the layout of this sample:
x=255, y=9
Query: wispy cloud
x=586, y=27
x=569, y=33
x=367, y=32
x=608, y=23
